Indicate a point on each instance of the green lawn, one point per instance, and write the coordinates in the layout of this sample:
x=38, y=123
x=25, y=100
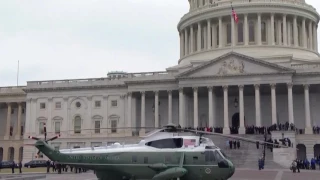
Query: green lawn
x=34, y=170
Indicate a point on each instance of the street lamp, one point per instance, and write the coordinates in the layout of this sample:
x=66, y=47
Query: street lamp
x=236, y=102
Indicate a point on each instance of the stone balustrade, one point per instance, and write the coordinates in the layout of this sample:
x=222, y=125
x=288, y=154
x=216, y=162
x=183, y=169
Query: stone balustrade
x=219, y=4
x=93, y=81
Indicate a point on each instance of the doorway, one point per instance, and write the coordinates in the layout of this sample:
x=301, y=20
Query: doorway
x=236, y=120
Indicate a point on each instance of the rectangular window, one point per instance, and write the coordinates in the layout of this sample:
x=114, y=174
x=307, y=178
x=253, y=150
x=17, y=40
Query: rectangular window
x=114, y=103
x=56, y=148
x=145, y=160
x=76, y=147
x=41, y=126
x=23, y=110
x=57, y=127
x=58, y=105
x=42, y=105
x=114, y=126
x=77, y=126
x=97, y=127
x=12, y=111
x=97, y=104
x=134, y=159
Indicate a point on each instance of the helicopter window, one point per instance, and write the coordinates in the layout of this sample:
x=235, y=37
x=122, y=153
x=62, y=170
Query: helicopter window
x=166, y=143
x=134, y=159
x=209, y=156
x=223, y=154
x=218, y=156
x=145, y=160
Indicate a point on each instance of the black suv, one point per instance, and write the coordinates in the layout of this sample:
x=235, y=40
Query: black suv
x=36, y=163
x=7, y=164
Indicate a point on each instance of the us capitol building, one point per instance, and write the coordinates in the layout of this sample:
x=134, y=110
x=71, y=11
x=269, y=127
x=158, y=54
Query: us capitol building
x=263, y=70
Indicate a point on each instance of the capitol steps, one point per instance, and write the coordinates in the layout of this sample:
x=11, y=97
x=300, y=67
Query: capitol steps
x=247, y=156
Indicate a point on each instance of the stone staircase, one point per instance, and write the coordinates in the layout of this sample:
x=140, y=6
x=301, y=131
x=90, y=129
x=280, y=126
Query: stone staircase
x=247, y=156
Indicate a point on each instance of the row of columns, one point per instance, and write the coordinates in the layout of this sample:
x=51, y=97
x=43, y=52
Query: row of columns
x=18, y=124
x=186, y=48
x=211, y=108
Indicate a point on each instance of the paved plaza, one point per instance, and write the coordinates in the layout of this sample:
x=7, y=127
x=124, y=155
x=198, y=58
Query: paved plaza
x=241, y=174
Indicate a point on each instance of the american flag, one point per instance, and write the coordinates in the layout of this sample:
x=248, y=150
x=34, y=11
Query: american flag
x=189, y=142
x=234, y=14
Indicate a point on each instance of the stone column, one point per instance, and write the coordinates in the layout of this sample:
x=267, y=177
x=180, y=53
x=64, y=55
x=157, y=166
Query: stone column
x=308, y=128
x=259, y=29
x=8, y=125
x=289, y=33
x=169, y=107
x=18, y=133
x=258, y=107
x=209, y=34
x=290, y=103
x=272, y=29
x=143, y=113
x=186, y=42
x=226, y=129
x=242, y=129
x=220, y=32
x=273, y=104
x=195, y=107
x=295, y=32
x=199, y=37
x=181, y=113
x=233, y=42
x=156, y=109
x=246, y=30
x=304, y=39
x=210, y=108
x=181, y=44
x=310, y=34
x=315, y=38
x=129, y=117
x=191, y=39
x=284, y=29
x=279, y=35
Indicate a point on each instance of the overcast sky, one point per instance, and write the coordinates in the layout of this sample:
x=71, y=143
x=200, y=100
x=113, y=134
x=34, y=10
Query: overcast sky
x=67, y=39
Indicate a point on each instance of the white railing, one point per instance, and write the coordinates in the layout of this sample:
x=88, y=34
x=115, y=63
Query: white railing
x=92, y=81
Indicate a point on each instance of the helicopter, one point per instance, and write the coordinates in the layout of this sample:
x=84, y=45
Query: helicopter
x=163, y=154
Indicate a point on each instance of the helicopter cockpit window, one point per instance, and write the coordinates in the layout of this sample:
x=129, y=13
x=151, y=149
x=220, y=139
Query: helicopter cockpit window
x=166, y=143
x=209, y=156
x=218, y=156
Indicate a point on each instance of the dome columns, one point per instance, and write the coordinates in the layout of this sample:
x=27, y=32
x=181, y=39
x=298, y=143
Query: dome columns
x=260, y=29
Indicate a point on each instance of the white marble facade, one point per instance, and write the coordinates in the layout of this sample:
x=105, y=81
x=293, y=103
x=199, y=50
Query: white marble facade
x=268, y=62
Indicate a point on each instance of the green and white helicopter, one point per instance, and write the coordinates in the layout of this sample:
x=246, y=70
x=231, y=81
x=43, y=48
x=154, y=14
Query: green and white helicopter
x=163, y=154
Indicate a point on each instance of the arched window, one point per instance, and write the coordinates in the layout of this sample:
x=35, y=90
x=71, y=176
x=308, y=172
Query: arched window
x=263, y=32
x=251, y=32
x=77, y=125
x=240, y=32
x=228, y=33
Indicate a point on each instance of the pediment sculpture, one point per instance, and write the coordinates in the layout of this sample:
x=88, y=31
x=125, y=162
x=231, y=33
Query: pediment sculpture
x=232, y=66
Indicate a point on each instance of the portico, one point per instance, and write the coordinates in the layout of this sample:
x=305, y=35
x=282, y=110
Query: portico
x=223, y=87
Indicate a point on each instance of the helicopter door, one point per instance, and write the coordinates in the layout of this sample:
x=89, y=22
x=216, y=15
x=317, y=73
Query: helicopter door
x=209, y=157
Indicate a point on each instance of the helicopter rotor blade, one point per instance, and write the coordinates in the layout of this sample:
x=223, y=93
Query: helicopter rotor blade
x=51, y=139
x=45, y=131
x=235, y=137
x=34, y=138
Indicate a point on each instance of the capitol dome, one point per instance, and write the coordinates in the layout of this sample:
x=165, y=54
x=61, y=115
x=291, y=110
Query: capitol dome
x=208, y=30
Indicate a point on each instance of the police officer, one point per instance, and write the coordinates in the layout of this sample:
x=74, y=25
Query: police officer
x=48, y=166
x=13, y=166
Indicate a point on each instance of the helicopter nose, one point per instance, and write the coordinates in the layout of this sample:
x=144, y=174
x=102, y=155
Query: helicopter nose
x=232, y=169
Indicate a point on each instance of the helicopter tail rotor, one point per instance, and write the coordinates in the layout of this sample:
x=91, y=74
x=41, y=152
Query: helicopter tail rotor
x=45, y=138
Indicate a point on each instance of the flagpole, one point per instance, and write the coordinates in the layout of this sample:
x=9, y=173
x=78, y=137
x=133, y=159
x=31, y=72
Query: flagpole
x=18, y=75
x=232, y=19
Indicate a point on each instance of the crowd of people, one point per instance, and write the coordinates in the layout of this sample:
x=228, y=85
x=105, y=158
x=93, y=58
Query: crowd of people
x=57, y=167
x=305, y=164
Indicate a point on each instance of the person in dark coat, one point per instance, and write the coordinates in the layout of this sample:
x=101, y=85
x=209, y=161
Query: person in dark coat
x=257, y=144
x=20, y=166
x=238, y=144
x=230, y=144
x=234, y=144
x=13, y=166
x=48, y=166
